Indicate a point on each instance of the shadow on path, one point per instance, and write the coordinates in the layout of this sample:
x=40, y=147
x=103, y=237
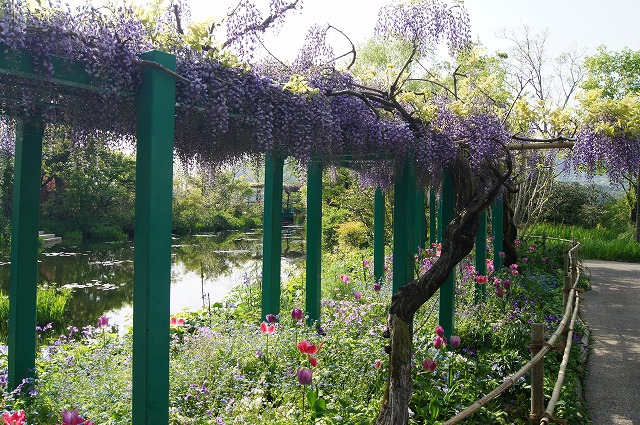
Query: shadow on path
x=612, y=312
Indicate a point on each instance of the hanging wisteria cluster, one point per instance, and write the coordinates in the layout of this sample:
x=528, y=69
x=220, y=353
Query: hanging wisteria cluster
x=228, y=112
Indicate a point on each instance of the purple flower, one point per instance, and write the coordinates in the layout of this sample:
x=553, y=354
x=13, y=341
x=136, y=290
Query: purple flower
x=103, y=322
x=499, y=291
x=271, y=318
x=304, y=376
x=454, y=341
x=506, y=284
x=377, y=287
x=440, y=331
x=357, y=295
x=297, y=314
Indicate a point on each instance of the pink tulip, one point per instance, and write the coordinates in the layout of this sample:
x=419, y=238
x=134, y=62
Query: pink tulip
x=177, y=321
x=16, y=418
x=454, y=341
x=440, y=331
x=357, y=295
x=304, y=376
x=267, y=329
x=438, y=342
x=366, y=263
x=344, y=278
x=71, y=417
x=103, y=322
x=429, y=365
x=377, y=364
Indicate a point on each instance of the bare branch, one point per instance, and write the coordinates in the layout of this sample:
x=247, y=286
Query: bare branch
x=156, y=65
x=394, y=87
x=352, y=51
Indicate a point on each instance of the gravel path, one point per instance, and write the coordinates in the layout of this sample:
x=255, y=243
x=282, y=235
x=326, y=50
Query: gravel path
x=612, y=312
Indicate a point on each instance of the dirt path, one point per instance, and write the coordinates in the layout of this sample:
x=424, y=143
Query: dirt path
x=612, y=312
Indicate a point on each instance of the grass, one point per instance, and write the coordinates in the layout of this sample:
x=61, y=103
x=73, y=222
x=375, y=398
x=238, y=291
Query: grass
x=224, y=370
x=597, y=244
x=51, y=305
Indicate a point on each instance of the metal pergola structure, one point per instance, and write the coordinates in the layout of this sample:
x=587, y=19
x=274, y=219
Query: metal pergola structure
x=156, y=109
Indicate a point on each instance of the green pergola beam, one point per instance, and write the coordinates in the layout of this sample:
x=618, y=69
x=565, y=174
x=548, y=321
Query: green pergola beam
x=314, y=241
x=155, y=104
x=481, y=258
x=23, y=280
x=378, y=235
x=20, y=63
x=446, y=309
x=272, y=236
x=497, y=225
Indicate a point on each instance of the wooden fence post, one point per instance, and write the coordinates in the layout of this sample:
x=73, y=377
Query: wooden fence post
x=537, y=375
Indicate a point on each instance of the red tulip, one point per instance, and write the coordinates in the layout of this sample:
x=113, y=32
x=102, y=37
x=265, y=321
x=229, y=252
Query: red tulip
x=313, y=361
x=16, y=418
x=306, y=347
x=377, y=364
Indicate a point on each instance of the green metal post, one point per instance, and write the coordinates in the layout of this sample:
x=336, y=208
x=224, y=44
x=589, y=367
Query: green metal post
x=272, y=237
x=433, y=216
x=481, y=257
x=314, y=240
x=378, y=235
x=155, y=104
x=497, y=224
x=23, y=279
x=447, y=290
x=420, y=219
x=403, y=220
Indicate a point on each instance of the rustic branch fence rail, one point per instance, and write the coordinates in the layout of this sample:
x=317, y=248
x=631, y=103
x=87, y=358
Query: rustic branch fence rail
x=539, y=350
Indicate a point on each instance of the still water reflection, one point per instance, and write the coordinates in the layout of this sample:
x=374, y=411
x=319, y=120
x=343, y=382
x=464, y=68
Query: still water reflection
x=203, y=269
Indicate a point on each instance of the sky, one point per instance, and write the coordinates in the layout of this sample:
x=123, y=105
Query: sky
x=580, y=24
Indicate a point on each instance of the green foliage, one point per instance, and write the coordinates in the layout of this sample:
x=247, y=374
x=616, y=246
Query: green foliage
x=213, y=201
x=353, y=234
x=90, y=189
x=345, y=201
x=589, y=206
x=615, y=73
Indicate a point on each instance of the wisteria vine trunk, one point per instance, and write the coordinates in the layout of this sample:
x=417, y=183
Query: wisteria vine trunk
x=473, y=195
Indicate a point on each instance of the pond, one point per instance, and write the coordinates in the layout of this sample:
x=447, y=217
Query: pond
x=204, y=268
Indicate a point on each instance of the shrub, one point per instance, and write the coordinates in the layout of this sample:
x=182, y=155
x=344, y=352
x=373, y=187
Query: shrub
x=353, y=234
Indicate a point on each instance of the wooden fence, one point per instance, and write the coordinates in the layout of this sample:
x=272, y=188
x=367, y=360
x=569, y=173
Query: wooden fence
x=539, y=350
